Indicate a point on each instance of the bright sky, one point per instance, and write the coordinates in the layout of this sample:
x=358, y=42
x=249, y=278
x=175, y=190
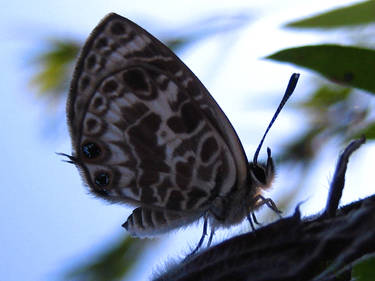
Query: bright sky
x=48, y=220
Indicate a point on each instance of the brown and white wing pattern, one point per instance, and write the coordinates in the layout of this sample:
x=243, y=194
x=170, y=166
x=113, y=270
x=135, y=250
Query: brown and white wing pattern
x=144, y=129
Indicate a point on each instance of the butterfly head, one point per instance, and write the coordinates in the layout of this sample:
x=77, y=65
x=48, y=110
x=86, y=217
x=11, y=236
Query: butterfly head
x=262, y=174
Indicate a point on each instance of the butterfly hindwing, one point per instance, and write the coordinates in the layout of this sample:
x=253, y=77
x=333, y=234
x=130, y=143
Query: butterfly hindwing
x=144, y=128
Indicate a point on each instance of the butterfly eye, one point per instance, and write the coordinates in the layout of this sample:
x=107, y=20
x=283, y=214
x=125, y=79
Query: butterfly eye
x=262, y=175
x=259, y=173
x=91, y=150
x=102, y=179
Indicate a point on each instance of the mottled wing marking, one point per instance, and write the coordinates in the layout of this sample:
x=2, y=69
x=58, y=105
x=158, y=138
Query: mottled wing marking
x=162, y=138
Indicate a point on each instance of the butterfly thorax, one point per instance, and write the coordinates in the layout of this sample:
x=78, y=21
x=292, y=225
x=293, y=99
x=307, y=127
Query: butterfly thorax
x=231, y=210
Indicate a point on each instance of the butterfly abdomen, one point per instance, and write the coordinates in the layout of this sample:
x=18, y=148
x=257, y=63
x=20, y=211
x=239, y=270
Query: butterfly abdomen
x=145, y=222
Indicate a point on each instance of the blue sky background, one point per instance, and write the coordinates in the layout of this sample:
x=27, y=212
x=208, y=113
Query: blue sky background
x=48, y=220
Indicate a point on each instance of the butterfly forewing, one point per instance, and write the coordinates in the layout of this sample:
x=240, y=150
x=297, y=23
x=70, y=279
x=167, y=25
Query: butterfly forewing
x=144, y=129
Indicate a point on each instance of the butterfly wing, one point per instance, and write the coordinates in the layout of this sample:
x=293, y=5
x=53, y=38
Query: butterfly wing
x=144, y=129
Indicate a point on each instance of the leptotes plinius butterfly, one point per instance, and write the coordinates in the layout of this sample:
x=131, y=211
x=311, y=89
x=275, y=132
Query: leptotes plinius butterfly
x=146, y=132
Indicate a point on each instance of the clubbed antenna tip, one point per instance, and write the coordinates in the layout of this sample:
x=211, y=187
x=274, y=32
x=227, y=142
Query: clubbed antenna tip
x=288, y=92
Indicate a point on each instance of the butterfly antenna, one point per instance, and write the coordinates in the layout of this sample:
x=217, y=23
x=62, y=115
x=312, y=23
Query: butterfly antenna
x=289, y=91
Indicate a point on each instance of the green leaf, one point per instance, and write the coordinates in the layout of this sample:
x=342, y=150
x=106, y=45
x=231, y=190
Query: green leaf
x=351, y=66
x=364, y=270
x=55, y=67
x=176, y=43
x=368, y=132
x=303, y=148
x=113, y=264
x=326, y=96
x=361, y=13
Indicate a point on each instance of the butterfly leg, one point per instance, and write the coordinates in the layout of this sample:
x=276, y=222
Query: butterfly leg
x=269, y=202
x=204, y=233
x=211, y=236
x=250, y=219
x=255, y=218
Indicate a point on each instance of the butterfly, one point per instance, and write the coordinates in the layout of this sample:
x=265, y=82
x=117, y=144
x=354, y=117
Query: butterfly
x=146, y=132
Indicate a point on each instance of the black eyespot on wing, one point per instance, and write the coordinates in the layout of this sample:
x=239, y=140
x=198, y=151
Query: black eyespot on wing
x=91, y=150
x=102, y=179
